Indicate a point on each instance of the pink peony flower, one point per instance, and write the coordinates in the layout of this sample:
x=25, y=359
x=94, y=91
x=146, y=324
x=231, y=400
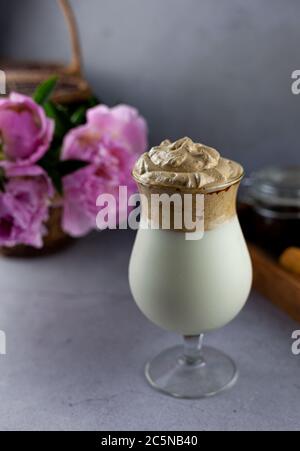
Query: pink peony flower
x=25, y=131
x=106, y=172
x=110, y=143
x=81, y=190
x=24, y=206
x=121, y=123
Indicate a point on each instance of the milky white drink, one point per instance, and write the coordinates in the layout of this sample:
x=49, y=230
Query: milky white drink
x=191, y=286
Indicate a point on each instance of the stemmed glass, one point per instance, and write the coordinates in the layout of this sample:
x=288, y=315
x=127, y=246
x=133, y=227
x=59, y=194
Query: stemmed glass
x=192, y=287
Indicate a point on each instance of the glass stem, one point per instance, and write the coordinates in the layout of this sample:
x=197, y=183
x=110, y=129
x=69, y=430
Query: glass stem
x=192, y=345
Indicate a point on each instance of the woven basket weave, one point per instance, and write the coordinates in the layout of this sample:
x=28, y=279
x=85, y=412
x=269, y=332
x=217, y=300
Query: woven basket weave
x=24, y=77
x=72, y=88
x=54, y=241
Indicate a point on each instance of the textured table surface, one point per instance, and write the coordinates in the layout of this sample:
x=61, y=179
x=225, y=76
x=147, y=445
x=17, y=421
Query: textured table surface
x=76, y=346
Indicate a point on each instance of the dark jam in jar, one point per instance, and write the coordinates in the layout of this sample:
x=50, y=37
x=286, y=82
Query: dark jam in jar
x=269, y=208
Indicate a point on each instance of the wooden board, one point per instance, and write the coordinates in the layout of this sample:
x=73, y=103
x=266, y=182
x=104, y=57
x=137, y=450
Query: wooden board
x=275, y=283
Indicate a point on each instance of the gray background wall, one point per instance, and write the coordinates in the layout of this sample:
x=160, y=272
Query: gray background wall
x=217, y=70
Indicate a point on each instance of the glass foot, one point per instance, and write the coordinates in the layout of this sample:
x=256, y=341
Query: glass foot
x=172, y=372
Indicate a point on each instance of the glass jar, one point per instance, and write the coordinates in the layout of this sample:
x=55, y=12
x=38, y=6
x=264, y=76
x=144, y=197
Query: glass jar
x=269, y=208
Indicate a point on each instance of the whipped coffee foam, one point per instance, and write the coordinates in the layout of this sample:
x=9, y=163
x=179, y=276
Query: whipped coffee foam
x=186, y=165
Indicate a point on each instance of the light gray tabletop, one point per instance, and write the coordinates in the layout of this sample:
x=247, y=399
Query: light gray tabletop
x=76, y=346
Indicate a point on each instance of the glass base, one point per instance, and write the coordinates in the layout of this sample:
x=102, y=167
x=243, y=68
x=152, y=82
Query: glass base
x=173, y=373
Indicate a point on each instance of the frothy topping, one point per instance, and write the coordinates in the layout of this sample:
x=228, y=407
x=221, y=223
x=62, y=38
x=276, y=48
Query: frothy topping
x=186, y=165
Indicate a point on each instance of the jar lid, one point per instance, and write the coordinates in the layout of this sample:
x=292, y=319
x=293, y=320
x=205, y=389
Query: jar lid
x=275, y=186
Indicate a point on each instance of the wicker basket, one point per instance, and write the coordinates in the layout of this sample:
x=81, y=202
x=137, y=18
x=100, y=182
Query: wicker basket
x=54, y=241
x=72, y=88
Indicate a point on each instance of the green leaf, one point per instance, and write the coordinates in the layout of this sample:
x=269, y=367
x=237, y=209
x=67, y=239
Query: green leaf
x=3, y=180
x=54, y=176
x=50, y=159
x=79, y=115
x=60, y=117
x=49, y=163
x=93, y=101
x=57, y=181
x=44, y=91
x=57, y=169
x=2, y=155
x=69, y=166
